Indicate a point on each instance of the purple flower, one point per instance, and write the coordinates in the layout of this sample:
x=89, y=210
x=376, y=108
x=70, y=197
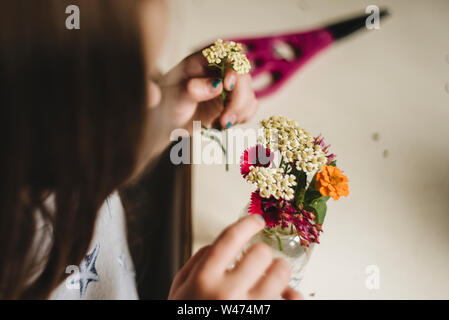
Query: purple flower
x=319, y=140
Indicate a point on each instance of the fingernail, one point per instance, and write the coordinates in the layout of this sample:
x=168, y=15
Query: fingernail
x=216, y=83
x=231, y=121
x=232, y=86
x=260, y=218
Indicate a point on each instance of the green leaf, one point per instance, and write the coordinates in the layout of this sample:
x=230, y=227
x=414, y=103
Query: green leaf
x=214, y=65
x=301, y=178
x=319, y=206
x=313, y=182
x=299, y=196
x=312, y=193
x=333, y=163
x=300, y=191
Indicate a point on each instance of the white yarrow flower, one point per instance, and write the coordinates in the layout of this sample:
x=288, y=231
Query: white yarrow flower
x=272, y=182
x=228, y=52
x=295, y=144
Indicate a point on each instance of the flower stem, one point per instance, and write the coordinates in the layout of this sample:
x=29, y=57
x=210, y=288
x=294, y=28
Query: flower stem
x=282, y=162
x=223, y=98
x=205, y=132
x=279, y=242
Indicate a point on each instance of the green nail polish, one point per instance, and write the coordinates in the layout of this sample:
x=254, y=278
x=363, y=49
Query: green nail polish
x=232, y=86
x=216, y=83
x=260, y=217
x=229, y=124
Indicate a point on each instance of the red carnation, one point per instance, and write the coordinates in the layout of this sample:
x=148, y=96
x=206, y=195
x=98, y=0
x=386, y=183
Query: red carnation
x=257, y=156
x=267, y=208
x=282, y=213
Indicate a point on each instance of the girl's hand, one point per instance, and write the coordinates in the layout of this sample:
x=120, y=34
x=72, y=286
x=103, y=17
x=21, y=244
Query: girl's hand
x=255, y=276
x=191, y=91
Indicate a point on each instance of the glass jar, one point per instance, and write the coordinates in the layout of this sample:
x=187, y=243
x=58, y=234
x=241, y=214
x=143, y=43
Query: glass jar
x=285, y=244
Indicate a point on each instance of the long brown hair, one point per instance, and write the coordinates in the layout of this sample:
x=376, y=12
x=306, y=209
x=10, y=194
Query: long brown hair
x=71, y=122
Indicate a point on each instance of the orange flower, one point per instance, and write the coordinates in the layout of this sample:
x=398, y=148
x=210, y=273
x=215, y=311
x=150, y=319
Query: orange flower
x=332, y=182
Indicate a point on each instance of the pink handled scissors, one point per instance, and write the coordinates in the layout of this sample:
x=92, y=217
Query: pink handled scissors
x=261, y=51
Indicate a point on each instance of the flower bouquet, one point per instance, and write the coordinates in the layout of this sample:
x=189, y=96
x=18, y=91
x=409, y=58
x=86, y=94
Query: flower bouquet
x=295, y=175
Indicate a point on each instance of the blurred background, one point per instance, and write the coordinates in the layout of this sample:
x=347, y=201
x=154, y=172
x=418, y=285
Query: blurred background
x=381, y=98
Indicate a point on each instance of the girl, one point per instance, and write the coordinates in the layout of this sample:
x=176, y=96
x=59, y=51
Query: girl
x=79, y=119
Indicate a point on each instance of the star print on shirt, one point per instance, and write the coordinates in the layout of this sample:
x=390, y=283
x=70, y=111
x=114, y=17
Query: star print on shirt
x=87, y=272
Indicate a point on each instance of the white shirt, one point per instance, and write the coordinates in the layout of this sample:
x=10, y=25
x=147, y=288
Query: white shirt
x=107, y=271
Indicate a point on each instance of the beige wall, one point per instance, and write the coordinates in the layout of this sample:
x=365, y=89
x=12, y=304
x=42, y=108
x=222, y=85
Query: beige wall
x=389, y=81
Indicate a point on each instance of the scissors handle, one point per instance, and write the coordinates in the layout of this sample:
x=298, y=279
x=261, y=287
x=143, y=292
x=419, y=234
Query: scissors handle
x=261, y=51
